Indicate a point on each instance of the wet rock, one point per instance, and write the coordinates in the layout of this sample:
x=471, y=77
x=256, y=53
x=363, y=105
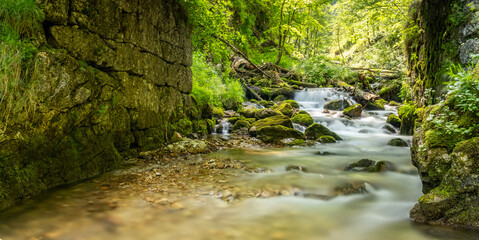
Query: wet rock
x=241, y=124
x=292, y=142
x=248, y=111
x=266, y=113
x=293, y=103
x=394, y=120
x=350, y=188
x=274, y=134
x=376, y=105
x=366, y=165
x=326, y=111
x=325, y=153
x=188, y=146
x=408, y=116
x=270, y=121
x=326, y=139
x=397, y=142
x=389, y=129
x=317, y=130
x=364, y=131
x=286, y=109
x=353, y=111
x=338, y=104
x=303, y=119
x=297, y=168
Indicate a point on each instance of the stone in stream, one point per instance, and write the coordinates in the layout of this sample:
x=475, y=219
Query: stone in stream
x=303, y=119
x=397, y=142
x=326, y=139
x=389, y=129
x=366, y=165
x=270, y=121
x=376, y=105
x=274, y=134
x=338, y=104
x=297, y=168
x=353, y=111
x=317, y=130
x=394, y=120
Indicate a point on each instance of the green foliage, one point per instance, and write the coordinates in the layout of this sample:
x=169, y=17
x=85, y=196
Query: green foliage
x=211, y=87
x=464, y=89
x=368, y=33
x=19, y=19
x=21, y=15
x=319, y=70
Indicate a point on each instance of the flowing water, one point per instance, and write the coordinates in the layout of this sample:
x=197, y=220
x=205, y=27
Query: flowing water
x=307, y=207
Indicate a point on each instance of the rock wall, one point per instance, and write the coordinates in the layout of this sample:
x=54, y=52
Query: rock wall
x=112, y=77
x=441, y=33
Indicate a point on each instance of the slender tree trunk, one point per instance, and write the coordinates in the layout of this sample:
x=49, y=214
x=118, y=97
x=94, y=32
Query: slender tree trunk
x=280, y=32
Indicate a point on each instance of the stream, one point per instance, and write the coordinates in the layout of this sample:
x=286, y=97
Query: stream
x=297, y=198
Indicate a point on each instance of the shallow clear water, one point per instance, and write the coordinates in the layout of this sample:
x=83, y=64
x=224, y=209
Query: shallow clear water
x=380, y=213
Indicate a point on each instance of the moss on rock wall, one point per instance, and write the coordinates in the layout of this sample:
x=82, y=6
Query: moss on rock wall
x=111, y=78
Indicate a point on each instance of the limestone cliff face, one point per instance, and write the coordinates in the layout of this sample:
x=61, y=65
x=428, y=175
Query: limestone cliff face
x=113, y=77
x=447, y=161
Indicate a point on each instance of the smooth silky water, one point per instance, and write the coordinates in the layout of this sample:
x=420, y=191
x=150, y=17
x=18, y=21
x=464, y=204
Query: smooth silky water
x=380, y=213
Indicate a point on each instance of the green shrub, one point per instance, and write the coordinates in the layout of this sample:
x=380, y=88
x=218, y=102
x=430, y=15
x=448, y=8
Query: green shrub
x=210, y=87
x=319, y=70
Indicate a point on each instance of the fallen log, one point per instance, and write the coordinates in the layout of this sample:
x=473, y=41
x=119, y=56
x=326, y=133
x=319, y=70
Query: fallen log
x=358, y=95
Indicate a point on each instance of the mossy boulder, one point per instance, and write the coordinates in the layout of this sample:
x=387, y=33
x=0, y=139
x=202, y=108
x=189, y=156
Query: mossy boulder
x=397, y=142
x=408, y=115
x=317, y=130
x=394, y=104
x=266, y=104
x=270, y=121
x=248, y=111
x=326, y=139
x=265, y=113
x=303, y=119
x=241, y=124
x=338, y=104
x=375, y=105
x=286, y=109
x=394, y=120
x=353, y=111
x=293, y=103
x=274, y=134
x=279, y=98
x=298, y=142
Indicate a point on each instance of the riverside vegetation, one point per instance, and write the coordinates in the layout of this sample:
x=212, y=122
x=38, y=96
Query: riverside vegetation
x=85, y=85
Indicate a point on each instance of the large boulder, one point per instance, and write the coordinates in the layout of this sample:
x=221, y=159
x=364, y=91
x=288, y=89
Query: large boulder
x=353, y=111
x=274, y=134
x=303, y=119
x=455, y=199
x=317, y=130
x=241, y=124
x=271, y=121
x=338, y=104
